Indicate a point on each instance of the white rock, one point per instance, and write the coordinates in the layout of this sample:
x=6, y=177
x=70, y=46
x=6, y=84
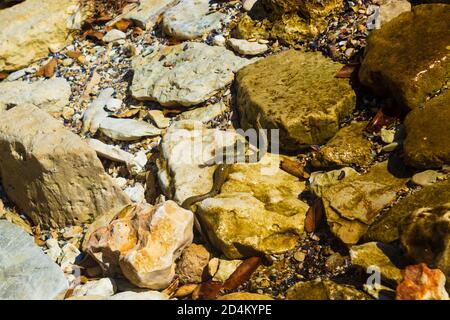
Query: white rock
x=109, y=152
x=50, y=95
x=120, y=182
x=223, y=268
x=191, y=19
x=104, y=287
x=146, y=295
x=204, y=114
x=113, y=104
x=54, y=251
x=248, y=4
x=127, y=129
x=68, y=257
x=136, y=193
x=157, y=116
x=16, y=75
x=114, y=35
x=137, y=164
x=246, y=47
x=219, y=40
x=96, y=113
x=185, y=74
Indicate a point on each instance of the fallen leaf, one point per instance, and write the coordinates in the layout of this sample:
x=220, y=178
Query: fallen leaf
x=314, y=216
x=208, y=290
x=379, y=121
x=73, y=54
x=242, y=273
x=137, y=32
x=92, y=34
x=3, y=75
x=123, y=24
x=294, y=168
x=347, y=71
x=48, y=70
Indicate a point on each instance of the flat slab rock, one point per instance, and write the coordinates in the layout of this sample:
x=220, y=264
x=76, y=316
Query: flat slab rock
x=50, y=173
x=26, y=272
x=146, y=13
x=297, y=93
x=186, y=74
x=409, y=57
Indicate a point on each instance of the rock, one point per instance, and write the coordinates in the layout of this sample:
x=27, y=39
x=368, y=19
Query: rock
x=185, y=290
x=16, y=75
x=422, y=283
x=244, y=296
x=30, y=28
x=114, y=35
x=383, y=256
x=54, y=251
x=413, y=68
x=146, y=13
x=379, y=291
x=324, y=290
x=146, y=295
x=96, y=113
x=136, y=192
x=427, y=143
x=104, y=287
x=112, y=153
x=427, y=178
x=192, y=264
x=245, y=47
x=26, y=272
x=143, y=243
x=204, y=114
x=191, y=19
x=319, y=181
x=219, y=40
x=385, y=229
x=113, y=104
x=127, y=129
x=309, y=8
x=425, y=237
x=248, y=4
x=68, y=256
x=233, y=219
x=221, y=269
x=49, y=95
x=50, y=173
x=158, y=118
x=347, y=147
x=353, y=204
x=387, y=135
x=390, y=9
x=297, y=93
x=185, y=74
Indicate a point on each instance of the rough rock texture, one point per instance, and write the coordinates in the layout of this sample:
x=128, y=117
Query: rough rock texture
x=189, y=19
x=104, y=287
x=204, y=114
x=387, y=258
x=297, y=93
x=427, y=143
x=324, y=290
x=50, y=95
x=425, y=237
x=245, y=47
x=192, y=264
x=353, y=204
x=50, y=173
x=28, y=30
x=244, y=296
x=258, y=208
x=26, y=272
x=390, y=9
x=408, y=59
x=347, y=147
x=143, y=243
x=320, y=181
x=185, y=74
x=428, y=177
x=147, y=12
x=422, y=283
x=386, y=229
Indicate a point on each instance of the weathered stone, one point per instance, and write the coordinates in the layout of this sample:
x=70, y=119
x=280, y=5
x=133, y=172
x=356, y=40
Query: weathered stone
x=158, y=118
x=383, y=256
x=192, y=264
x=204, y=114
x=297, y=93
x=390, y=9
x=347, y=147
x=50, y=173
x=29, y=28
x=221, y=269
x=427, y=143
x=322, y=180
x=146, y=295
x=191, y=19
x=244, y=296
x=104, y=287
x=352, y=205
x=114, y=35
x=50, y=95
x=428, y=177
x=422, y=283
x=413, y=68
x=26, y=272
x=425, y=236
x=324, y=290
x=185, y=74
x=245, y=47
x=146, y=13
x=143, y=243
x=386, y=229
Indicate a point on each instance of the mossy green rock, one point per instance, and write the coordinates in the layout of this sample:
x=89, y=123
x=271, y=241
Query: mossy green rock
x=352, y=205
x=427, y=143
x=409, y=57
x=347, y=147
x=324, y=290
x=297, y=93
x=386, y=257
x=386, y=228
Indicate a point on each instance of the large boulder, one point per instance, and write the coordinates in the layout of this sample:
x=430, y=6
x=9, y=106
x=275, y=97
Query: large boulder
x=50, y=95
x=185, y=74
x=386, y=228
x=297, y=93
x=408, y=59
x=308, y=8
x=427, y=143
x=26, y=272
x=354, y=203
x=50, y=173
x=30, y=28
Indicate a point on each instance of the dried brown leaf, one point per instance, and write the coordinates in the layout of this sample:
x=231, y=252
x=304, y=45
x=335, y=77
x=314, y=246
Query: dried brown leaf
x=314, y=216
x=242, y=273
x=48, y=70
x=347, y=71
x=379, y=121
x=73, y=54
x=3, y=75
x=124, y=24
x=294, y=168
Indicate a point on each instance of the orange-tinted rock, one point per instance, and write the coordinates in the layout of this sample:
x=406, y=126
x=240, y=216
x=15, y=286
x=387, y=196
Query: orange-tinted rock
x=422, y=283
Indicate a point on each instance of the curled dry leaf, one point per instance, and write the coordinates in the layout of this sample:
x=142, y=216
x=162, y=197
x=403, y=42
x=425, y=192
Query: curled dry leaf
x=294, y=168
x=93, y=35
x=314, y=216
x=379, y=121
x=124, y=24
x=48, y=70
x=347, y=71
x=3, y=75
